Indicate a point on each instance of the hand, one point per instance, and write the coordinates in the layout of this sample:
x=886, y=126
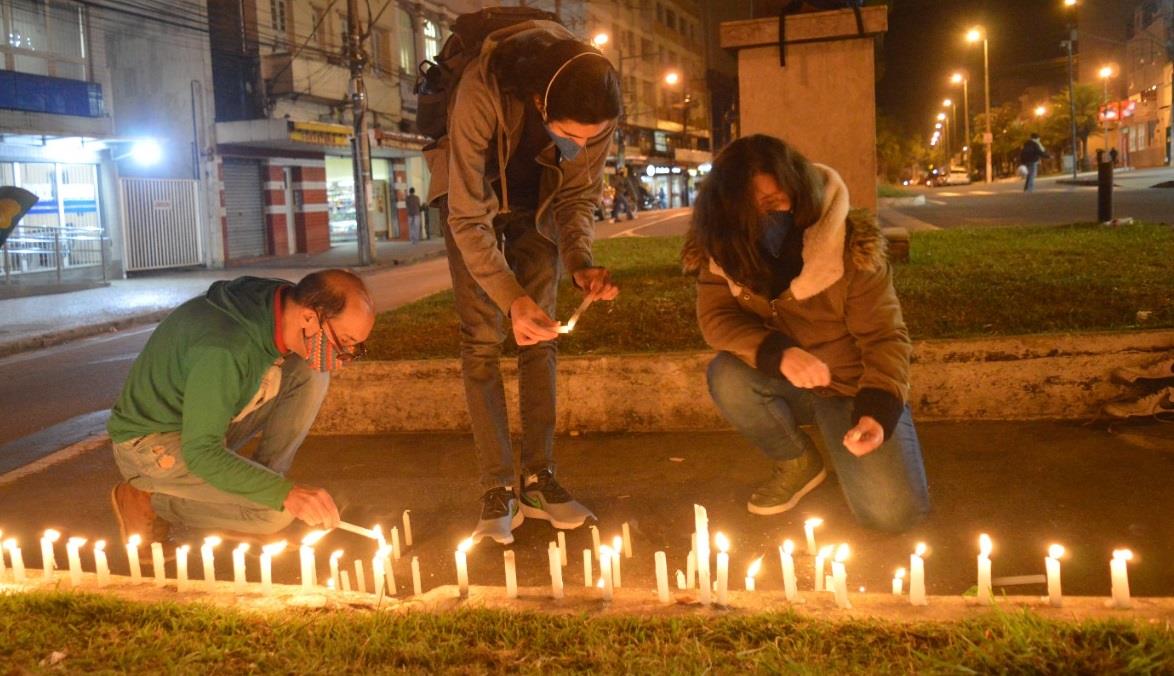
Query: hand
x=865, y=437
x=312, y=505
x=596, y=283
x=531, y=324
x=804, y=369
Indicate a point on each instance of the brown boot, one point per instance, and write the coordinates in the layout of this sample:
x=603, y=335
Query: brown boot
x=135, y=515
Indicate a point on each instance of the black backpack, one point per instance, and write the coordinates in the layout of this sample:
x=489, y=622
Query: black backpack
x=801, y=6
x=436, y=82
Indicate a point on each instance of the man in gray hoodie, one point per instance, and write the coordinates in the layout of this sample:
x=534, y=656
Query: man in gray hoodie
x=517, y=179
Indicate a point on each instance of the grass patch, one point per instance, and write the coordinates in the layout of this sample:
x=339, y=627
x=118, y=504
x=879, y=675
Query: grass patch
x=100, y=633
x=890, y=190
x=960, y=283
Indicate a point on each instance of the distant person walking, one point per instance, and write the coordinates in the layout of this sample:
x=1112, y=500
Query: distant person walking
x=620, y=204
x=413, y=204
x=1029, y=156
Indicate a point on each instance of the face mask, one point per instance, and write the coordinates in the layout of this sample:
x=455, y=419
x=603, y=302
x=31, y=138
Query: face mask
x=321, y=354
x=775, y=226
x=566, y=147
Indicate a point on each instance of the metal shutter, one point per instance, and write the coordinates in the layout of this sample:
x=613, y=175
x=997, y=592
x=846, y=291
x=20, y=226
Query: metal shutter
x=245, y=207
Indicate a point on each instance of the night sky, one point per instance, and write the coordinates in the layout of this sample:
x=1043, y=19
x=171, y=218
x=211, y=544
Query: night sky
x=926, y=42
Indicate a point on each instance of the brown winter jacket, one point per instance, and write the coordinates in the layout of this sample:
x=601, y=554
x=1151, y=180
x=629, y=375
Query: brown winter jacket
x=482, y=117
x=842, y=308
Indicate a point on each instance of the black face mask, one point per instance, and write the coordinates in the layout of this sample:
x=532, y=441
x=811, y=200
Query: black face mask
x=775, y=227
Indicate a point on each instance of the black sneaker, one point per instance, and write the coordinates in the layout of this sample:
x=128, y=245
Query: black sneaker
x=499, y=516
x=544, y=498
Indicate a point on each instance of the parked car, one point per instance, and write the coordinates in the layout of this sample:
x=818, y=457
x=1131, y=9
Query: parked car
x=957, y=176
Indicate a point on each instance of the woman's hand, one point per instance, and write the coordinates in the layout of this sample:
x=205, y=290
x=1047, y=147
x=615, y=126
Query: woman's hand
x=865, y=438
x=531, y=324
x=596, y=283
x=804, y=369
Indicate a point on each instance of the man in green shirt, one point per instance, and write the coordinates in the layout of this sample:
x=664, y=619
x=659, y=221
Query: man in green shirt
x=250, y=356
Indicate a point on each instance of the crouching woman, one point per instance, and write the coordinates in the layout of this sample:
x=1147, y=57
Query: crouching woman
x=796, y=294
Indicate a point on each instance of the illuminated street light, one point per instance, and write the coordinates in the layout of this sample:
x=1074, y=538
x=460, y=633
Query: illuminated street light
x=1105, y=72
x=672, y=77
x=946, y=103
x=957, y=78
x=1040, y=111
x=146, y=152
x=941, y=117
x=1069, y=3
x=937, y=125
x=973, y=35
x=600, y=39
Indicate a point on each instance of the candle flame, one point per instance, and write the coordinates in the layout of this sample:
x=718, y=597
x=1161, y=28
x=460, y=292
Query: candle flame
x=985, y=545
x=465, y=545
x=182, y=550
x=134, y=540
x=600, y=583
x=212, y=541
x=788, y=547
x=813, y=522
x=10, y=544
x=900, y=574
x=1122, y=555
x=1056, y=551
x=752, y=571
x=76, y=542
x=378, y=530
x=313, y=537
x=604, y=551
x=336, y=555
x=274, y=548
x=920, y=549
x=617, y=543
x=100, y=546
x=723, y=543
x=242, y=547
x=51, y=535
x=842, y=553
x=826, y=551
x=330, y=583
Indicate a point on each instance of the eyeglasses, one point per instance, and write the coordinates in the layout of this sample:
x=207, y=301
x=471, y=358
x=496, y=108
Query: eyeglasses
x=357, y=351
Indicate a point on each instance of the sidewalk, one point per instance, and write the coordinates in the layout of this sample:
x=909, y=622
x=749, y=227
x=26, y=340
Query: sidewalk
x=32, y=322
x=1123, y=177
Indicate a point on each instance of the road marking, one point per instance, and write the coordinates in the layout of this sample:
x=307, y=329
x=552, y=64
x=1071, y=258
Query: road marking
x=631, y=232
x=938, y=202
x=68, y=453
x=950, y=194
x=984, y=193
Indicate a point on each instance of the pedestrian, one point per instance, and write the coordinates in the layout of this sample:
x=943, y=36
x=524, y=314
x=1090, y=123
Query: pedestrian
x=520, y=173
x=1113, y=154
x=1029, y=156
x=620, y=204
x=661, y=200
x=251, y=356
x=795, y=293
x=413, y=205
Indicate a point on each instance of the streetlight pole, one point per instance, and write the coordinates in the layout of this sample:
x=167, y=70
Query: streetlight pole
x=360, y=145
x=1072, y=89
x=988, y=138
x=1106, y=72
x=965, y=81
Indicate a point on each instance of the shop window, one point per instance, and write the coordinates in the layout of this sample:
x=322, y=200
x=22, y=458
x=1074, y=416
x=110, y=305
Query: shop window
x=44, y=38
x=431, y=39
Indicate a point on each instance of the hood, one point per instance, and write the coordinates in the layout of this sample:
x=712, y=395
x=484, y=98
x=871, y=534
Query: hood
x=248, y=301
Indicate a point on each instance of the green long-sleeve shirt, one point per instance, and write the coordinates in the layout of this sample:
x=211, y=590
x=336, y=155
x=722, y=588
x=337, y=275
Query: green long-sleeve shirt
x=201, y=366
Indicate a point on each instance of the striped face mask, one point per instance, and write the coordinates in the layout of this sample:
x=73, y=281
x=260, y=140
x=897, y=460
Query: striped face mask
x=321, y=353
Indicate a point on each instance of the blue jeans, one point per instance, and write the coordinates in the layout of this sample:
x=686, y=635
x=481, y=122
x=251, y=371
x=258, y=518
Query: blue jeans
x=885, y=489
x=1032, y=170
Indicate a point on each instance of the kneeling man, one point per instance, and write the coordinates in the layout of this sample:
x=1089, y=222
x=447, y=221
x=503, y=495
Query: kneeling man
x=250, y=356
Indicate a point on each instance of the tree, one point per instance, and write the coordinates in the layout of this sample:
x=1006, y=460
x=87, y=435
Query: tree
x=1057, y=130
x=1009, y=131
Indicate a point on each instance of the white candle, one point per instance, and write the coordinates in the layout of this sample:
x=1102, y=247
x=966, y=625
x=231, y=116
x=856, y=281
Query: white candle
x=75, y=560
x=682, y=583
x=407, y=528
x=511, y=572
x=616, y=553
x=417, y=583
x=562, y=547
x=556, y=571
x=662, y=578
x=48, y=561
x=691, y=568
x=595, y=541
x=917, y=576
x=723, y=568
x=240, y=575
x=840, y=577
x=701, y=523
x=209, y=559
x=627, y=535
x=395, y=550
x=463, y=567
x=899, y=582
x=14, y=555
x=267, y=553
x=101, y=566
x=181, y=567
x=158, y=564
x=820, y=558
x=1052, y=564
x=985, y=593
x=334, y=558
x=389, y=572
x=360, y=576
x=132, y=557
x=1119, y=570
x=605, y=560
x=588, y=577
x=3, y=570
x=306, y=556
x=809, y=527
x=790, y=584
x=346, y=580
x=379, y=570
x=752, y=572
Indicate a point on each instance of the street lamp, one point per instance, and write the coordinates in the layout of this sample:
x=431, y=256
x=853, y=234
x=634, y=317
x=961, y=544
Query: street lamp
x=949, y=103
x=1106, y=73
x=672, y=78
x=1069, y=4
x=1040, y=111
x=973, y=36
x=959, y=78
x=599, y=40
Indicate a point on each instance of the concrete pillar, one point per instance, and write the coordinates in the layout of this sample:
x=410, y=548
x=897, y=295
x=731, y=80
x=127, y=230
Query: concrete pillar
x=417, y=13
x=823, y=102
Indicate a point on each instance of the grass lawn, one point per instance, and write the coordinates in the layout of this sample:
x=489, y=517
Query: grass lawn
x=890, y=190
x=960, y=283
x=106, y=634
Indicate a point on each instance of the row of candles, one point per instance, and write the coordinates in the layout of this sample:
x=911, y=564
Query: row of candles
x=697, y=572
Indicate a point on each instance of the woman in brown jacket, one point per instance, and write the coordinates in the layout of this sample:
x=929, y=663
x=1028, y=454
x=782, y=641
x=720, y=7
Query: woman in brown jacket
x=796, y=294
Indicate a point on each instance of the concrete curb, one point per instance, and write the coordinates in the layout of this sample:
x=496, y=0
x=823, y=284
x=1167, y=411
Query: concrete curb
x=914, y=201
x=1017, y=378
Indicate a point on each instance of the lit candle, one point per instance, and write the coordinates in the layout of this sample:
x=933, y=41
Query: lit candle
x=395, y=550
x=360, y=576
x=627, y=535
x=723, y=568
x=617, y=548
x=605, y=559
x=240, y=576
x=346, y=580
x=899, y=582
x=701, y=527
x=752, y=572
x=587, y=575
x=48, y=562
x=407, y=528
x=682, y=583
x=267, y=553
x=985, y=593
x=75, y=560
x=809, y=527
x=101, y=566
x=1119, y=569
x=821, y=557
x=389, y=572
x=17, y=560
x=210, y=543
x=1052, y=564
x=379, y=570
x=306, y=555
x=662, y=578
x=511, y=572
x=595, y=541
x=181, y=567
x=158, y=564
x=840, y=577
x=556, y=571
x=787, y=557
x=463, y=567
x=3, y=570
x=917, y=576
x=417, y=583
x=562, y=548
x=334, y=558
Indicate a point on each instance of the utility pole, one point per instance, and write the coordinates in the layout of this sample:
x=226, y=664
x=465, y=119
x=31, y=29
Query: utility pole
x=987, y=138
x=1072, y=100
x=1170, y=55
x=360, y=144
